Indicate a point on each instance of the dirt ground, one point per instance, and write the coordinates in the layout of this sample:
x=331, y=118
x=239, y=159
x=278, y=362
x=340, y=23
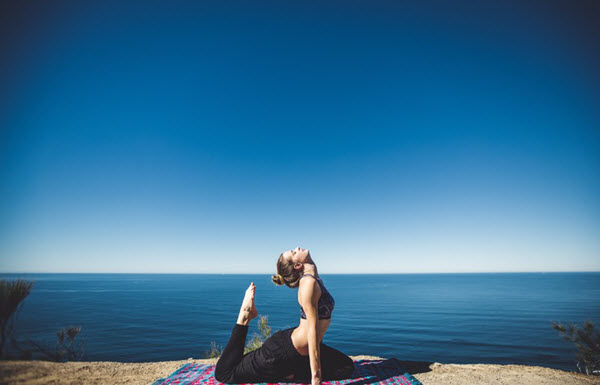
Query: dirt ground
x=144, y=373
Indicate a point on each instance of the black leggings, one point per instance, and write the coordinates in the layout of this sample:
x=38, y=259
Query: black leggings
x=275, y=360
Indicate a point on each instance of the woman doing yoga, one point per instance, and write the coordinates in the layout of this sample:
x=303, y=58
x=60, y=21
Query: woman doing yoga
x=296, y=354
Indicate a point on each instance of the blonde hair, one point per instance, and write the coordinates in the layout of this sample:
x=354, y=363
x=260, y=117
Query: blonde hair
x=277, y=279
x=286, y=273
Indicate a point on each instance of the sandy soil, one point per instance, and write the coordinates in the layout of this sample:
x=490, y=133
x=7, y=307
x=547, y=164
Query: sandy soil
x=144, y=373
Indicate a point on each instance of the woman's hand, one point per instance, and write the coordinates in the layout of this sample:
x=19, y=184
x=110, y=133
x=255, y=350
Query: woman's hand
x=316, y=378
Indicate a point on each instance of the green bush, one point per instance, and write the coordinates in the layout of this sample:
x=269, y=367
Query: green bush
x=215, y=351
x=66, y=348
x=12, y=295
x=258, y=339
x=587, y=342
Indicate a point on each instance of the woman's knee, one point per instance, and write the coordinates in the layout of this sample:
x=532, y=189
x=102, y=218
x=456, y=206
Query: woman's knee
x=221, y=375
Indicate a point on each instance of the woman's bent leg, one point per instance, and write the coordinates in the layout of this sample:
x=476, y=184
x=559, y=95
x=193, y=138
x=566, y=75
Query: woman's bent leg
x=232, y=354
x=335, y=365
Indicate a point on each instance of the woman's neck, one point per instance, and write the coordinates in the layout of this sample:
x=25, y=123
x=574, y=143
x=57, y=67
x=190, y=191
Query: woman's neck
x=309, y=268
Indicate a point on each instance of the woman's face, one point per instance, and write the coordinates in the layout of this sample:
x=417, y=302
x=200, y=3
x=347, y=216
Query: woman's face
x=298, y=255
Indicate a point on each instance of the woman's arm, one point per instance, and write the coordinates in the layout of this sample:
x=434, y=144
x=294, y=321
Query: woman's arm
x=309, y=297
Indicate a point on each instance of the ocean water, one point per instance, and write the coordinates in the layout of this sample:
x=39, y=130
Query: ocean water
x=502, y=318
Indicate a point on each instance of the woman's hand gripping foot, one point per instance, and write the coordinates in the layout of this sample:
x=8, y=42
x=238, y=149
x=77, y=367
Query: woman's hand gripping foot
x=248, y=310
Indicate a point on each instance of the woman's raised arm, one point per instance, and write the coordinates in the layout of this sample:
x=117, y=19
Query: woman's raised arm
x=309, y=299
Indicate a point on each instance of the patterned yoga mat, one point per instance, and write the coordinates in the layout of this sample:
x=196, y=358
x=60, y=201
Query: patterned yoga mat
x=388, y=372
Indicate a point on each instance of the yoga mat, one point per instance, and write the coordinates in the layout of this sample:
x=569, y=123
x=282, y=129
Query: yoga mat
x=387, y=371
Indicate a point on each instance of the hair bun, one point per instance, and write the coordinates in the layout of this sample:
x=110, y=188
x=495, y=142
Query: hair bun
x=277, y=279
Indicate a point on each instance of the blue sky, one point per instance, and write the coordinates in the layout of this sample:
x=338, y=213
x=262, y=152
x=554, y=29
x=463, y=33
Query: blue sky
x=387, y=137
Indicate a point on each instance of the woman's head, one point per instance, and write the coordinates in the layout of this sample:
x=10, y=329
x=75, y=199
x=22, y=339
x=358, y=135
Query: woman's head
x=290, y=266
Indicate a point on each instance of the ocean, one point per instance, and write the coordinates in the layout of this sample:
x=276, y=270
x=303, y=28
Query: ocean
x=499, y=318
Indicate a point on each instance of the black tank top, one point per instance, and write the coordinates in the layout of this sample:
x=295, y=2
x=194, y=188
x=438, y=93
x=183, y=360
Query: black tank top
x=326, y=302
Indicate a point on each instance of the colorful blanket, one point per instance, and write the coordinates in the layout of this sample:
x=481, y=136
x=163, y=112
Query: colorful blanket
x=388, y=372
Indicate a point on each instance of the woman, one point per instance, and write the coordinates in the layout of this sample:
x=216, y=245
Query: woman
x=292, y=355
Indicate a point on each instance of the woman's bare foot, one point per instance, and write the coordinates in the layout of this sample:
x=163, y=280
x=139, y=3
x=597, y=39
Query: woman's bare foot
x=248, y=310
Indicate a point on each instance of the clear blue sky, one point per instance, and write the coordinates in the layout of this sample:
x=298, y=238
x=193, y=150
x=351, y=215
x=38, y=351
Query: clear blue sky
x=207, y=137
